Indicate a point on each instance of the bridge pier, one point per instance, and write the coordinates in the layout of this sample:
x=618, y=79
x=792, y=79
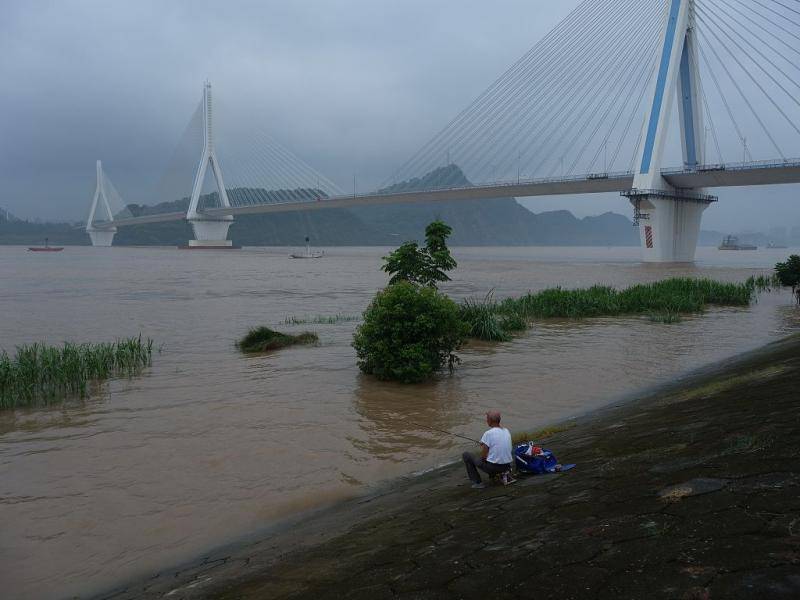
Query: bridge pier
x=211, y=233
x=101, y=237
x=669, y=223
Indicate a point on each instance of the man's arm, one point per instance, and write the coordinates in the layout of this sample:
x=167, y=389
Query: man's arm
x=484, y=451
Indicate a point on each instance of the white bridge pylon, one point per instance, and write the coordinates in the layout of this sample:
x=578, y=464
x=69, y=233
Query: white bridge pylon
x=668, y=217
x=100, y=236
x=209, y=231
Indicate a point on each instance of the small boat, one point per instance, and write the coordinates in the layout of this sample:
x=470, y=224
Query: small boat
x=46, y=248
x=773, y=245
x=731, y=242
x=309, y=253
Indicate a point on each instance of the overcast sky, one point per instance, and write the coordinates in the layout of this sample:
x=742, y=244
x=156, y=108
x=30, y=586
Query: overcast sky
x=354, y=87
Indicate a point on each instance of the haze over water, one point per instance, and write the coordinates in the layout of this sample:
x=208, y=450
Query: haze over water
x=210, y=445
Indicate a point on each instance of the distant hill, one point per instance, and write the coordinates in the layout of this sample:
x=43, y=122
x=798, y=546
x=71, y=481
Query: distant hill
x=500, y=222
x=16, y=231
x=496, y=222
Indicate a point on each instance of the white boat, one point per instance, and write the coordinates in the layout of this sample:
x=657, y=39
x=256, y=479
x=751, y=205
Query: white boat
x=309, y=253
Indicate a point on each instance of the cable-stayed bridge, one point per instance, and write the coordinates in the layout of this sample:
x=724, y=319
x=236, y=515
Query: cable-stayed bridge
x=616, y=93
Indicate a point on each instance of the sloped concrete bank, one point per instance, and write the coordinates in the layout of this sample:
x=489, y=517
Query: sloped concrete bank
x=691, y=492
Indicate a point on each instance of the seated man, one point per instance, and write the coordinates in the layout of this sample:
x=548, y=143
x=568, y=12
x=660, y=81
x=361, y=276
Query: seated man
x=495, y=452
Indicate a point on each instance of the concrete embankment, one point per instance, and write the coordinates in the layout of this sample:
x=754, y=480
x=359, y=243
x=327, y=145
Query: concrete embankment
x=691, y=492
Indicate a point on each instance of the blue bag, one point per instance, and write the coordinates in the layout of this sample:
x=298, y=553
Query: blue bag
x=544, y=462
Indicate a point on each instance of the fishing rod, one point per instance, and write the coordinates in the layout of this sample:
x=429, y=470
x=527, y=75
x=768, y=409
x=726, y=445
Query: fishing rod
x=445, y=432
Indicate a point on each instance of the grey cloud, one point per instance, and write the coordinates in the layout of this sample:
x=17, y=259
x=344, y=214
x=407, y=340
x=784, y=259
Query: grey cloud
x=351, y=86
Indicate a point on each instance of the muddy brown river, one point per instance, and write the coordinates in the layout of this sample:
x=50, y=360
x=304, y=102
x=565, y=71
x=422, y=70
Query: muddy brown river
x=210, y=445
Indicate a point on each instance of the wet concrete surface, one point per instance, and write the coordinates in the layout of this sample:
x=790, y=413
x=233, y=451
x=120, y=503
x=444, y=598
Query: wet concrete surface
x=692, y=492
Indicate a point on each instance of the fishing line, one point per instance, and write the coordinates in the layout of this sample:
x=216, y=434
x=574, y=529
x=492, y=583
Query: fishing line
x=446, y=432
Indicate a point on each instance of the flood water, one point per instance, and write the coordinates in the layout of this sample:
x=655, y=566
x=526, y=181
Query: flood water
x=209, y=445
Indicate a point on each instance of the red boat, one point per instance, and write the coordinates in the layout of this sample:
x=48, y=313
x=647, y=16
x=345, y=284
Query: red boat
x=46, y=248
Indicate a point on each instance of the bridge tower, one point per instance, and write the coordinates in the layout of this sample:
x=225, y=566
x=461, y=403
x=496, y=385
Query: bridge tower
x=669, y=218
x=209, y=232
x=100, y=236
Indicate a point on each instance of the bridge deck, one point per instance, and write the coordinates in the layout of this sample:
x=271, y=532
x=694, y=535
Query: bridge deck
x=708, y=176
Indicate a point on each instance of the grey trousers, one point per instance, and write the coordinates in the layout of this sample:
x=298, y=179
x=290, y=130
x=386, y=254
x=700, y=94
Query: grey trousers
x=473, y=463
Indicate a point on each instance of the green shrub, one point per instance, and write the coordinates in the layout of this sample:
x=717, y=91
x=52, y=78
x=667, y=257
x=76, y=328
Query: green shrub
x=424, y=266
x=409, y=333
x=788, y=273
x=264, y=339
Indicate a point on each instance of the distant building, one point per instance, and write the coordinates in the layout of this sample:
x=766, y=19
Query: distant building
x=6, y=217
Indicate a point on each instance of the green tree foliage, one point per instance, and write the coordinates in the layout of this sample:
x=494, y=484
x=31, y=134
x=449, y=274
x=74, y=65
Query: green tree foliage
x=789, y=274
x=424, y=266
x=409, y=332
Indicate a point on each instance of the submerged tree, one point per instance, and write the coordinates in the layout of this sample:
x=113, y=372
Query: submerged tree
x=409, y=333
x=424, y=266
x=788, y=274
x=410, y=329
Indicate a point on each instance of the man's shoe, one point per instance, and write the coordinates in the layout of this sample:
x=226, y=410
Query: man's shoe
x=478, y=486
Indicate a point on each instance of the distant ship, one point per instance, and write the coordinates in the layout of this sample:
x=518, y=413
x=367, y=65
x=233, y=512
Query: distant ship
x=774, y=245
x=731, y=242
x=46, y=248
x=309, y=252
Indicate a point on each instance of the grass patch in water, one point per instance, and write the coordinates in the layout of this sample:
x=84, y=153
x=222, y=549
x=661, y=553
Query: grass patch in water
x=764, y=283
x=321, y=319
x=667, y=317
x=264, y=339
x=40, y=374
x=483, y=319
x=664, y=300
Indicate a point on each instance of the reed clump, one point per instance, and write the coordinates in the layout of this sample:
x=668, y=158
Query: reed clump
x=321, y=319
x=764, y=283
x=264, y=339
x=484, y=319
x=663, y=300
x=42, y=374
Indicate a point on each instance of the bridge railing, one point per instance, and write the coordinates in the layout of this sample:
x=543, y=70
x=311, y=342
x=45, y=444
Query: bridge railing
x=737, y=166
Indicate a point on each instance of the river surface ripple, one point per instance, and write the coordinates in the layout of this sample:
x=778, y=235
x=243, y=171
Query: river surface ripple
x=210, y=445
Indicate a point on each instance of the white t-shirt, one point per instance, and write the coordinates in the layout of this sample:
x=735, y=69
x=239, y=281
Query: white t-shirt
x=499, y=441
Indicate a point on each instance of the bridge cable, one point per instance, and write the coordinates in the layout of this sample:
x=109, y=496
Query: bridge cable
x=480, y=121
x=767, y=73
x=744, y=97
x=559, y=97
x=645, y=44
x=500, y=84
x=585, y=100
x=767, y=31
x=566, y=72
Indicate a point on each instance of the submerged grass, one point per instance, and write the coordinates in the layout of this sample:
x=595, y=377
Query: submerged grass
x=41, y=374
x=264, y=339
x=764, y=283
x=321, y=319
x=483, y=319
x=664, y=301
x=667, y=317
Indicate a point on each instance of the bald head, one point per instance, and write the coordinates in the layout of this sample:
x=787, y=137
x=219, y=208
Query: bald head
x=493, y=417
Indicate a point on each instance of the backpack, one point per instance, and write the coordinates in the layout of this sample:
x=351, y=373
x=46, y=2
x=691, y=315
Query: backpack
x=530, y=458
